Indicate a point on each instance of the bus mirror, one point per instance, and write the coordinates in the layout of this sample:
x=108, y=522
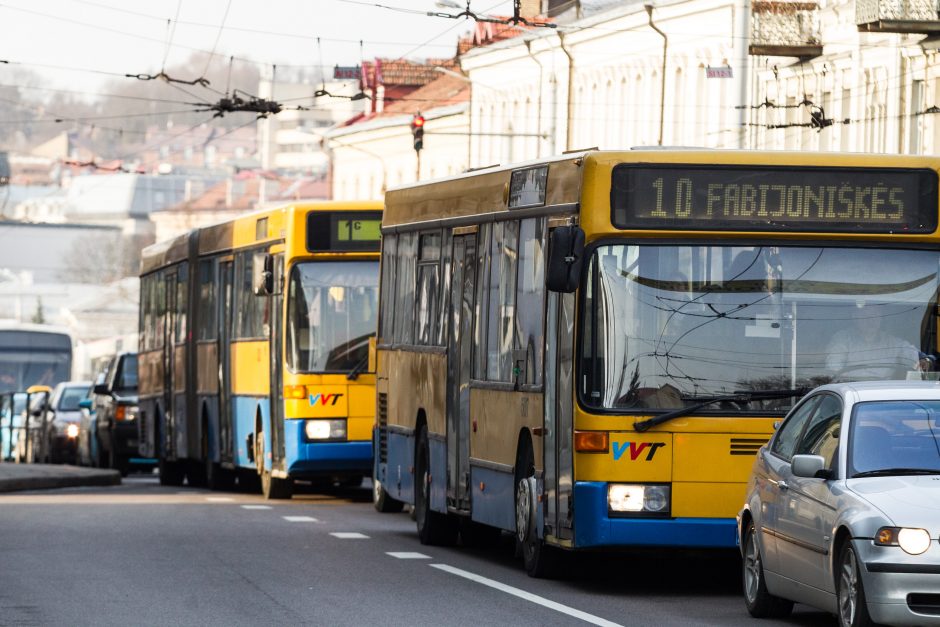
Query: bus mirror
x=262, y=274
x=565, y=256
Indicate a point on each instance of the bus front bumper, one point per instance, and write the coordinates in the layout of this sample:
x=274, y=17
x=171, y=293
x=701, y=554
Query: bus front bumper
x=595, y=527
x=306, y=458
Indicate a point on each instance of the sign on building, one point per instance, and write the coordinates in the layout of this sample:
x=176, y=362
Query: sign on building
x=344, y=73
x=720, y=71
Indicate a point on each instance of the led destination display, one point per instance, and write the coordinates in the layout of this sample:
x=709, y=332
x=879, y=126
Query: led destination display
x=745, y=198
x=350, y=231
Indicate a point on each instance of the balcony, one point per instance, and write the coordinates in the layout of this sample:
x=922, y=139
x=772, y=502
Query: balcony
x=785, y=29
x=897, y=16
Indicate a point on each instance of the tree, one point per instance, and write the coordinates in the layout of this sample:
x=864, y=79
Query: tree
x=102, y=259
x=38, y=316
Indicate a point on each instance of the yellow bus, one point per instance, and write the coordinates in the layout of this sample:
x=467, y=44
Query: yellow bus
x=254, y=348
x=588, y=351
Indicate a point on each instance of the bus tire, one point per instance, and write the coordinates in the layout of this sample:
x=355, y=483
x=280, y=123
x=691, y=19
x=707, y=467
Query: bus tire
x=382, y=501
x=539, y=559
x=272, y=487
x=433, y=527
x=171, y=473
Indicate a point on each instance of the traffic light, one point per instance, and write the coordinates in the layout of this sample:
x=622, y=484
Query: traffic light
x=417, y=131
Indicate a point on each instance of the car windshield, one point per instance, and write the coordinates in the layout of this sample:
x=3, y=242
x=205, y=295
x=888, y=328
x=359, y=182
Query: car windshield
x=331, y=312
x=666, y=327
x=70, y=398
x=895, y=437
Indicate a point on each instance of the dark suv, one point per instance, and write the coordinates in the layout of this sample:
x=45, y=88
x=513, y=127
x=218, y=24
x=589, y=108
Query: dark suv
x=115, y=406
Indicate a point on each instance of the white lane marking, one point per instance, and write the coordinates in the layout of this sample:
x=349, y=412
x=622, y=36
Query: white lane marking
x=349, y=535
x=219, y=499
x=409, y=555
x=528, y=596
x=256, y=507
x=300, y=519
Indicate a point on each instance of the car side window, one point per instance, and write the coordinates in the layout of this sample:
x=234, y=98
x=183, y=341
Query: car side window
x=789, y=432
x=822, y=432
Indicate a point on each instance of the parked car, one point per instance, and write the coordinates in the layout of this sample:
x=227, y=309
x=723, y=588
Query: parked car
x=64, y=418
x=115, y=406
x=843, y=507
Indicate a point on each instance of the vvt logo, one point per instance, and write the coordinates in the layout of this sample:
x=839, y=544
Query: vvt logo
x=636, y=449
x=324, y=399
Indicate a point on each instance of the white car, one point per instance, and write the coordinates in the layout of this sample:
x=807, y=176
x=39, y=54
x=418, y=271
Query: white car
x=843, y=507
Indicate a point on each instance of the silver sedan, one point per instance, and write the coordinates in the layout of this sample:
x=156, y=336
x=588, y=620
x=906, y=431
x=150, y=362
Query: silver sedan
x=843, y=507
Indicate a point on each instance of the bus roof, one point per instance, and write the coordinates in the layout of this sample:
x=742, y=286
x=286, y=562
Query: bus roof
x=239, y=232
x=483, y=194
x=32, y=327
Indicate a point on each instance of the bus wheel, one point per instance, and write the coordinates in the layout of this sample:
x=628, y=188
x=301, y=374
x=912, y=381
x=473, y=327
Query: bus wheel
x=217, y=478
x=171, y=473
x=539, y=560
x=433, y=527
x=271, y=487
x=382, y=501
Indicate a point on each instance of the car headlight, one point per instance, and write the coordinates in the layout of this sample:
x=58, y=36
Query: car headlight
x=325, y=429
x=651, y=499
x=71, y=431
x=912, y=541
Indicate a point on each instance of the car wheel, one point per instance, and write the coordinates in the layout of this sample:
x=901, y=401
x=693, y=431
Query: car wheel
x=433, y=527
x=760, y=603
x=382, y=501
x=853, y=609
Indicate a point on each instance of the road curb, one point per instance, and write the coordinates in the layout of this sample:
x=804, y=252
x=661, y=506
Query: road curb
x=69, y=480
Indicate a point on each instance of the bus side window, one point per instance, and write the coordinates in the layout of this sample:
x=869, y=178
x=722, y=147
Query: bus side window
x=530, y=301
x=389, y=291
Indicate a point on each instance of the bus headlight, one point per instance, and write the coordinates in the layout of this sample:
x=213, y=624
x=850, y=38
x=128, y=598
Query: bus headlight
x=325, y=429
x=650, y=499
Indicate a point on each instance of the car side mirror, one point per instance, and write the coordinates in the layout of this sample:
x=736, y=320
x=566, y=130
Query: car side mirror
x=85, y=403
x=101, y=388
x=810, y=466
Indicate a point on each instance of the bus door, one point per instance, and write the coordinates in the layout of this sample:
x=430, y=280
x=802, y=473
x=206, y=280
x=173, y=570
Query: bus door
x=226, y=449
x=559, y=419
x=275, y=306
x=462, y=287
x=169, y=325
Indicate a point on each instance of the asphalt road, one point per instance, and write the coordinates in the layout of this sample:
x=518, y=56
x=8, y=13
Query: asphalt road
x=142, y=554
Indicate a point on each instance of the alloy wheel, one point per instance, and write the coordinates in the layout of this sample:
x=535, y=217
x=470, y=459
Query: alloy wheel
x=752, y=568
x=848, y=589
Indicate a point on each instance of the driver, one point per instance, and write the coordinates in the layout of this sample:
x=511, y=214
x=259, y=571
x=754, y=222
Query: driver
x=865, y=351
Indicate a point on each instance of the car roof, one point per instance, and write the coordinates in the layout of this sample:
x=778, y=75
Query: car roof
x=886, y=390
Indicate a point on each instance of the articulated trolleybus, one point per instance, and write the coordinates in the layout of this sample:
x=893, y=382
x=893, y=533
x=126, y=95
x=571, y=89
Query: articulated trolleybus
x=589, y=351
x=254, y=348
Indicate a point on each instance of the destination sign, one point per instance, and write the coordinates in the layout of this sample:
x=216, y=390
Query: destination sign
x=762, y=198
x=344, y=231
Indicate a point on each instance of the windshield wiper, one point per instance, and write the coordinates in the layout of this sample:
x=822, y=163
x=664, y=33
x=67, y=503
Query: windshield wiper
x=896, y=471
x=740, y=397
x=353, y=374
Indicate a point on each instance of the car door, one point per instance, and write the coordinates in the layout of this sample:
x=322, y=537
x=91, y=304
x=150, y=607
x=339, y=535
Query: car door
x=773, y=470
x=806, y=515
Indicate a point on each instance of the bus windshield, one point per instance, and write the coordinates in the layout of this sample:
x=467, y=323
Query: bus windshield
x=331, y=313
x=665, y=327
x=30, y=358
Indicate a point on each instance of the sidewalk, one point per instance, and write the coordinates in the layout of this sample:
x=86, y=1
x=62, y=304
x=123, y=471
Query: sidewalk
x=48, y=476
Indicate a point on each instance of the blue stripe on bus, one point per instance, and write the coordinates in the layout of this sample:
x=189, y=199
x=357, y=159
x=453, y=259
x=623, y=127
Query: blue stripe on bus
x=322, y=457
x=399, y=480
x=493, y=504
x=245, y=408
x=594, y=528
